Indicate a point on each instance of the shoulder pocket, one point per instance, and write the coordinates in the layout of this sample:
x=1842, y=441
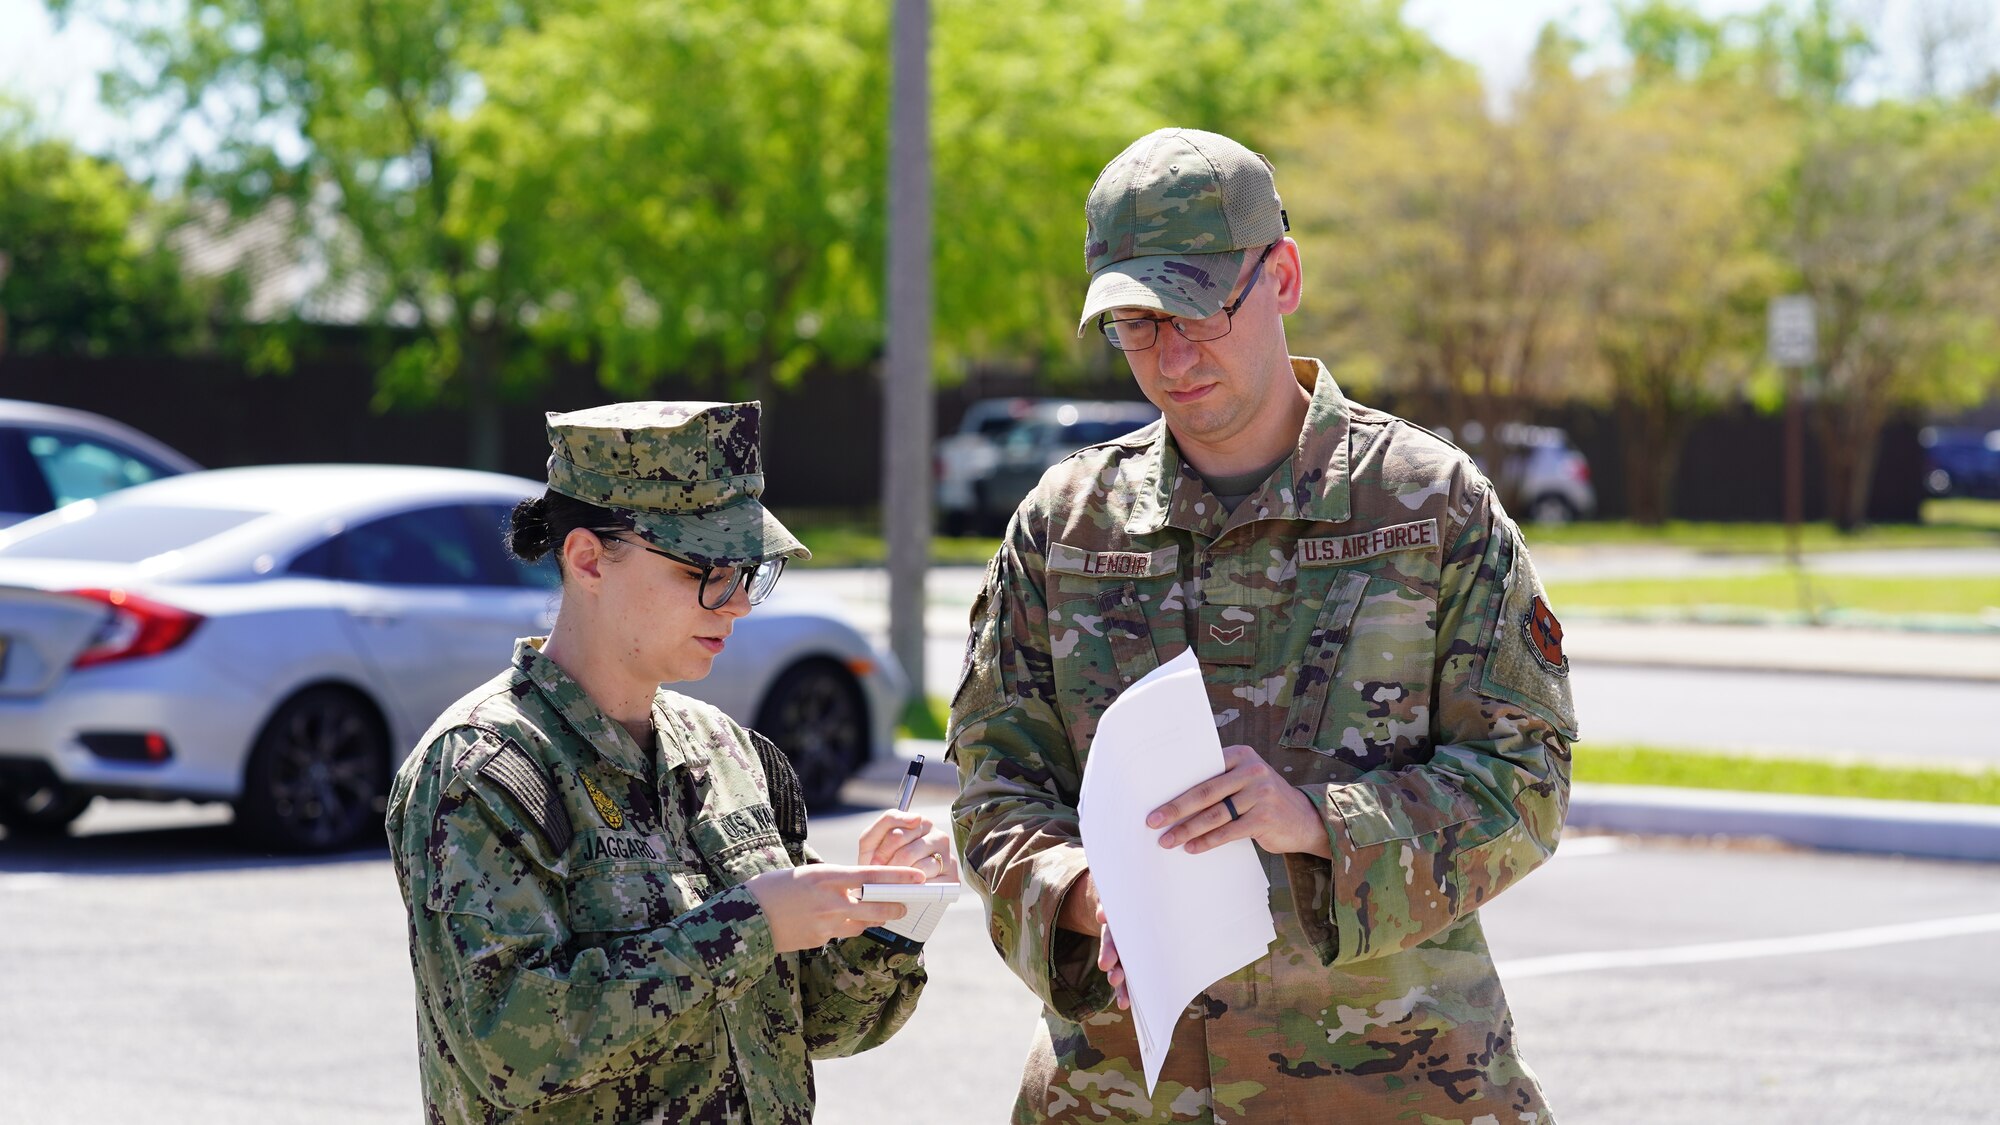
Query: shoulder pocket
x=979, y=693
x=1525, y=664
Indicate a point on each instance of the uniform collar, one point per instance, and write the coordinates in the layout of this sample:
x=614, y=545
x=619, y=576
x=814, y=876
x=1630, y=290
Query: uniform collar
x=613, y=743
x=1310, y=485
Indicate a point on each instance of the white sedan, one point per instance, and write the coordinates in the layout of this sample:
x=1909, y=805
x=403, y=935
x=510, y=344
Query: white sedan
x=279, y=637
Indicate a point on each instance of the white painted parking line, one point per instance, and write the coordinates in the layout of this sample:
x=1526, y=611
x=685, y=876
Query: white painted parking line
x=1744, y=950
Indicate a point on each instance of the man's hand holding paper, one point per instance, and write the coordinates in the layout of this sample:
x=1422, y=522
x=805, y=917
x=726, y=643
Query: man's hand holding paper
x=1247, y=801
x=1186, y=917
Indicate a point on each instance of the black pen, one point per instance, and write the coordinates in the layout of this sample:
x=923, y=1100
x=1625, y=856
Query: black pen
x=909, y=785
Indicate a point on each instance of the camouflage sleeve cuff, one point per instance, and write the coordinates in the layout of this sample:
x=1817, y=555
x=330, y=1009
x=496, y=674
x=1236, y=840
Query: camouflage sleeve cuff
x=1312, y=883
x=878, y=959
x=730, y=936
x=1076, y=987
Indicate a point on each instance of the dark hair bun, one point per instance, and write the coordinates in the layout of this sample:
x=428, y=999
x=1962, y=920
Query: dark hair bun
x=528, y=530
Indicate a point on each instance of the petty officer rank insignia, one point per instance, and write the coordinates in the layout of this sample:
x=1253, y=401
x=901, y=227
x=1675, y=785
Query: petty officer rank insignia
x=1419, y=536
x=1545, y=638
x=613, y=818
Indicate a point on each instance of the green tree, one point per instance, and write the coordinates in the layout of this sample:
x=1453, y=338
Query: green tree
x=1448, y=246
x=82, y=271
x=697, y=186
x=348, y=110
x=1891, y=218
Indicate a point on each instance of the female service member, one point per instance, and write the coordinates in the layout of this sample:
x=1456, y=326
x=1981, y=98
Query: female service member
x=613, y=915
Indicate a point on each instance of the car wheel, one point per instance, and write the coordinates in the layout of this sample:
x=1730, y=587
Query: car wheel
x=44, y=809
x=957, y=523
x=815, y=714
x=1938, y=483
x=317, y=777
x=1549, y=508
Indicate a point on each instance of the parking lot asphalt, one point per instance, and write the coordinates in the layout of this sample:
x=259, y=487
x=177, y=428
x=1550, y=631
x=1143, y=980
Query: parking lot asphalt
x=161, y=974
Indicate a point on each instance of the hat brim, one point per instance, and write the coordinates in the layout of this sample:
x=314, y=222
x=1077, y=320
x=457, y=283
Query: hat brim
x=1186, y=285
x=740, y=532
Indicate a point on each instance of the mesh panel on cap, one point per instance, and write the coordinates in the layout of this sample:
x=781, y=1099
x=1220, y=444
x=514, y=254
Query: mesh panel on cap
x=1249, y=201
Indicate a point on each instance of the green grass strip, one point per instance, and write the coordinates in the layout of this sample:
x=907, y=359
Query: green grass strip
x=1619, y=764
x=1958, y=523
x=1688, y=769
x=1779, y=591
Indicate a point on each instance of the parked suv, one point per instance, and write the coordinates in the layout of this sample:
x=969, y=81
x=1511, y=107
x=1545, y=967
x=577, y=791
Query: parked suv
x=1960, y=461
x=1546, y=474
x=969, y=453
x=1048, y=431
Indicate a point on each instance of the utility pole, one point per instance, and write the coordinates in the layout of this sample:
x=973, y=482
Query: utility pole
x=906, y=385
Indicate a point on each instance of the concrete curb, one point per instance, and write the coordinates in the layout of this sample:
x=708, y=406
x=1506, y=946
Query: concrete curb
x=1849, y=824
x=1852, y=824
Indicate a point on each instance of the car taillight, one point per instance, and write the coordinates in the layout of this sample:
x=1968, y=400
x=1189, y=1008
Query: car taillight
x=137, y=627
x=1579, y=468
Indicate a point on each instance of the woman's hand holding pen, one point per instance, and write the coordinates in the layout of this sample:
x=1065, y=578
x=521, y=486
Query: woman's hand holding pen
x=905, y=839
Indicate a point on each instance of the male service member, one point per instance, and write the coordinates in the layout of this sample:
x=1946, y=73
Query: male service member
x=1386, y=676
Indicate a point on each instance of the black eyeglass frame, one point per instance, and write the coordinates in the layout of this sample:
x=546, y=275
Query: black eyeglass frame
x=753, y=572
x=1106, y=326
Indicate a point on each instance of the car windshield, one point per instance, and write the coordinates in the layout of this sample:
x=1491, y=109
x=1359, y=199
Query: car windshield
x=1090, y=433
x=126, y=533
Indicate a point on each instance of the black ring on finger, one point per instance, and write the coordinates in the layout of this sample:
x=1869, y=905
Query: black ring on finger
x=1231, y=806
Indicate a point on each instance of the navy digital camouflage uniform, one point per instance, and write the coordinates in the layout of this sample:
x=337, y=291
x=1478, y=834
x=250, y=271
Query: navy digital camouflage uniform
x=1370, y=622
x=584, y=947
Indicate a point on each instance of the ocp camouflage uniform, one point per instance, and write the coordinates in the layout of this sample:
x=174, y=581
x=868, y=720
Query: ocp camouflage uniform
x=585, y=949
x=1369, y=621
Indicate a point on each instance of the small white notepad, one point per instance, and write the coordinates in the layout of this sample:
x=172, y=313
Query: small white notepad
x=925, y=905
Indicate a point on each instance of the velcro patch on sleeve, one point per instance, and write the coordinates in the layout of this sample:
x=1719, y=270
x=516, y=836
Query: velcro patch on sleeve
x=1064, y=559
x=517, y=773
x=1340, y=549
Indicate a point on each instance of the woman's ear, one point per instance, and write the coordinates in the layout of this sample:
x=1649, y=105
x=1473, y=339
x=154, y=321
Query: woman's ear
x=583, y=557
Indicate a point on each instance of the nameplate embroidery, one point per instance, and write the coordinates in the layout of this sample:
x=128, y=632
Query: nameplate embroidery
x=1339, y=549
x=1065, y=559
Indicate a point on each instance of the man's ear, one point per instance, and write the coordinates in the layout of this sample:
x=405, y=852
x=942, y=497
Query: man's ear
x=583, y=557
x=1291, y=276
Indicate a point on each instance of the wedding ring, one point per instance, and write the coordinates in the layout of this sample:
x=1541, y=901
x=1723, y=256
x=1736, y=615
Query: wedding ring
x=1231, y=806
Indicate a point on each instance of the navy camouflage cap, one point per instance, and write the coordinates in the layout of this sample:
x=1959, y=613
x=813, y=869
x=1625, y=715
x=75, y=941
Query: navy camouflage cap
x=687, y=475
x=1169, y=220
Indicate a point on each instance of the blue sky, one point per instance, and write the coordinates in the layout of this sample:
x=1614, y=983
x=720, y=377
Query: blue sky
x=56, y=71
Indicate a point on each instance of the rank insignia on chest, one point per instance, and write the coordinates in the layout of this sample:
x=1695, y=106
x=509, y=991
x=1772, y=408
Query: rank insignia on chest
x=613, y=818
x=1545, y=638
x=1226, y=634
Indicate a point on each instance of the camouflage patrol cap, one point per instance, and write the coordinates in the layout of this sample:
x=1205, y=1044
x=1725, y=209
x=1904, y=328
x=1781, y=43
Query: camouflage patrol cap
x=687, y=474
x=1168, y=222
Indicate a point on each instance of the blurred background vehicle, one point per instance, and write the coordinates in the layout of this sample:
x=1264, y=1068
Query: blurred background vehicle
x=1047, y=431
x=279, y=637
x=1546, y=476
x=969, y=453
x=1961, y=461
x=52, y=455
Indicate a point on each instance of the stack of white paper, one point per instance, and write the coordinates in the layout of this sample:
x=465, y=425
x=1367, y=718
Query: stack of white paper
x=1181, y=922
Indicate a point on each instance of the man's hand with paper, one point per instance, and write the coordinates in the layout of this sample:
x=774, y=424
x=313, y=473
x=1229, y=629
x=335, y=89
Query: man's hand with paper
x=1187, y=916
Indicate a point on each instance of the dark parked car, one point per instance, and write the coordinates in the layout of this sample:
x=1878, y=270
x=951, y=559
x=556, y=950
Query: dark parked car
x=1044, y=434
x=51, y=456
x=1960, y=461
